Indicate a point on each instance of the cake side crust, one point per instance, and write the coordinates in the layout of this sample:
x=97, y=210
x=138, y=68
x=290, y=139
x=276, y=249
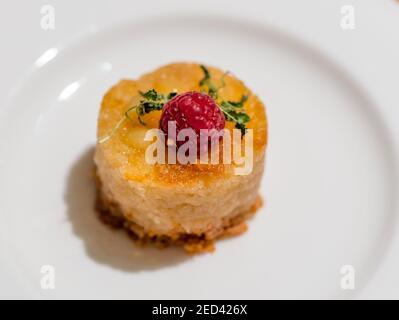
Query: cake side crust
x=110, y=214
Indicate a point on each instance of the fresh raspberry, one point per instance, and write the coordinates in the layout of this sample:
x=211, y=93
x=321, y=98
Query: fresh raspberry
x=192, y=110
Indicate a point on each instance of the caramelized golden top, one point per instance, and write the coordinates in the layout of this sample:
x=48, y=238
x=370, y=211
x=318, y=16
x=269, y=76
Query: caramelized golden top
x=125, y=148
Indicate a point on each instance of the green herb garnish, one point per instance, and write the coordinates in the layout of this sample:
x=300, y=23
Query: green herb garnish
x=232, y=110
x=206, y=81
x=232, y=113
x=233, y=105
x=152, y=101
x=152, y=95
x=240, y=119
x=171, y=95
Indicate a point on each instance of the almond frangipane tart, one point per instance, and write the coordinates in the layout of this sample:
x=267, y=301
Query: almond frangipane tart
x=185, y=204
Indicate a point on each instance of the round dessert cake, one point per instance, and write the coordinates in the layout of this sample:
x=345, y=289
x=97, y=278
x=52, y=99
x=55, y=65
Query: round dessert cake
x=190, y=205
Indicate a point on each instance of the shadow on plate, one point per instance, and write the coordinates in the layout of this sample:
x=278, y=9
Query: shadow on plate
x=103, y=244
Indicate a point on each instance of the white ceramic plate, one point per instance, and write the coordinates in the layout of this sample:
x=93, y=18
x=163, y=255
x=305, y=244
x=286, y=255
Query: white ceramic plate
x=330, y=185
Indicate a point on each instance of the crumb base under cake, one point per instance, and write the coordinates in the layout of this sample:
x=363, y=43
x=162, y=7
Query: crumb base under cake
x=110, y=214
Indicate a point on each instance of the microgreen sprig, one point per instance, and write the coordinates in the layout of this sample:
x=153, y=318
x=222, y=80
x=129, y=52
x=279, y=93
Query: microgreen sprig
x=152, y=101
x=232, y=110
